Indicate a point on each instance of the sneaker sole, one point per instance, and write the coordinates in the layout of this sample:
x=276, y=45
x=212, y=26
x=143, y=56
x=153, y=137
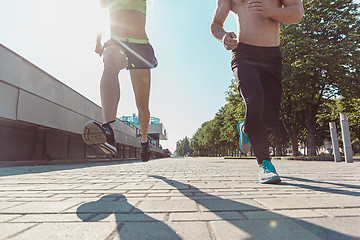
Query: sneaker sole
x=271, y=180
x=145, y=159
x=240, y=140
x=93, y=136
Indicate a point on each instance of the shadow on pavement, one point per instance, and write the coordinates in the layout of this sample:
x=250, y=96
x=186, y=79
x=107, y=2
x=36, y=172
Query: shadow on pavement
x=21, y=170
x=323, y=189
x=278, y=227
x=129, y=226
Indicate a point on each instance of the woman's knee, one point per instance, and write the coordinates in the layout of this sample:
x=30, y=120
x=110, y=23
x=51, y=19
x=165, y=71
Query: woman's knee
x=143, y=109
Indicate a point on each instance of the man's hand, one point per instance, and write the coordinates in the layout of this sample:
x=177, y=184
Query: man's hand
x=230, y=41
x=99, y=49
x=260, y=7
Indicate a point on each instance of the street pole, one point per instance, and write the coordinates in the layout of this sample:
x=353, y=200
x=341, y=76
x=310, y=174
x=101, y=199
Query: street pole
x=335, y=142
x=346, y=137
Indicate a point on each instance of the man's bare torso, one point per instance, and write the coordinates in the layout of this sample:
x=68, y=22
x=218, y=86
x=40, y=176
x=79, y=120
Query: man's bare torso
x=255, y=29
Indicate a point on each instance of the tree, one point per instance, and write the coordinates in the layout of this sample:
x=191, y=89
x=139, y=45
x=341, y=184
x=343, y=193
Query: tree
x=197, y=142
x=278, y=139
x=292, y=113
x=321, y=58
x=219, y=136
x=183, y=147
x=235, y=111
x=330, y=112
x=352, y=106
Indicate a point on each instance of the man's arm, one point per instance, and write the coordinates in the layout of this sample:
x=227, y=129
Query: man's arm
x=217, y=25
x=290, y=13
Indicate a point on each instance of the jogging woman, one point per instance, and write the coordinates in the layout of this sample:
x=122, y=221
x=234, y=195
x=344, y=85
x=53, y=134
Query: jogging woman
x=128, y=48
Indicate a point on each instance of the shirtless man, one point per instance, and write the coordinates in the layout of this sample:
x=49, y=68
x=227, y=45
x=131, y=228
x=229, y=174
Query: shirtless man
x=257, y=65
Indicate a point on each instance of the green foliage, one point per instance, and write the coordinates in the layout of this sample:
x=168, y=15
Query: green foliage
x=278, y=139
x=183, y=147
x=352, y=107
x=330, y=112
x=321, y=59
x=219, y=136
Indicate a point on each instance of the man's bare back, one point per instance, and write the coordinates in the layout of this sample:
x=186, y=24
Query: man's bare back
x=258, y=20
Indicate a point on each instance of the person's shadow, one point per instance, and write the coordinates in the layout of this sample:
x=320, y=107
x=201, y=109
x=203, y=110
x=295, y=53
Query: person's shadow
x=129, y=226
x=323, y=189
x=276, y=227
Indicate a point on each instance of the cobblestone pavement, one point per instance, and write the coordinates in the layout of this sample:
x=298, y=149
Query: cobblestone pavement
x=191, y=198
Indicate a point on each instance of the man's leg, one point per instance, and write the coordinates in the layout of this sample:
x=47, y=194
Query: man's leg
x=271, y=82
x=141, y=84
x=249, y=85
x=251, y=89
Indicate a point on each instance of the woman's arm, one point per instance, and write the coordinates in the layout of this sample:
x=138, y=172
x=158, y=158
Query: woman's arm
x=99, y=47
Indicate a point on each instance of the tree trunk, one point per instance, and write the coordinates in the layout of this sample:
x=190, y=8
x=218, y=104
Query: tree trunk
x=294, y=144
x=293, y=133
x=311, y=128
x=277, y=144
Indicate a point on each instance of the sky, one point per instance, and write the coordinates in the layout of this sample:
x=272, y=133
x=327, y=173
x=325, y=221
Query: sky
x=188, y=86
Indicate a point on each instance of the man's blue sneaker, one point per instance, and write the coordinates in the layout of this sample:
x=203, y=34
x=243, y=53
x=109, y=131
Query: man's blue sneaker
x=267, y=173
x=244, y=142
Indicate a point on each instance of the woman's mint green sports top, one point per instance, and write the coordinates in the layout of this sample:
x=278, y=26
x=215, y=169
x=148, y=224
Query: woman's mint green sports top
x=136, y=5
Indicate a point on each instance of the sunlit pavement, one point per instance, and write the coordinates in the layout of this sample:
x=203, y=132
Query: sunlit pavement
x=191, y=198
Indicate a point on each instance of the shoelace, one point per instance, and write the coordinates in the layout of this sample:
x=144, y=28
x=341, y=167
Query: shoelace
x=268, y=167
x=106, y=127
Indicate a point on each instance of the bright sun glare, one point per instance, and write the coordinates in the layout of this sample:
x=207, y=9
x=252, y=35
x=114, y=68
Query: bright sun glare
x=69, y=18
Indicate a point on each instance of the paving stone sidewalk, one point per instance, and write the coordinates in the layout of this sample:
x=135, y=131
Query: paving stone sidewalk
x=180, y=198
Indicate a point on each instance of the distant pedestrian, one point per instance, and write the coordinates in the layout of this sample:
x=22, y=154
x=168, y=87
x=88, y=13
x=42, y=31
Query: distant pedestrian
x=128, y=48
x=257, y=66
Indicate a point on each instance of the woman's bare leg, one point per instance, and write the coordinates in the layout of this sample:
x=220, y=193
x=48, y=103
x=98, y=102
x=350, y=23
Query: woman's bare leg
x=141, y=84
x=114, y=61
